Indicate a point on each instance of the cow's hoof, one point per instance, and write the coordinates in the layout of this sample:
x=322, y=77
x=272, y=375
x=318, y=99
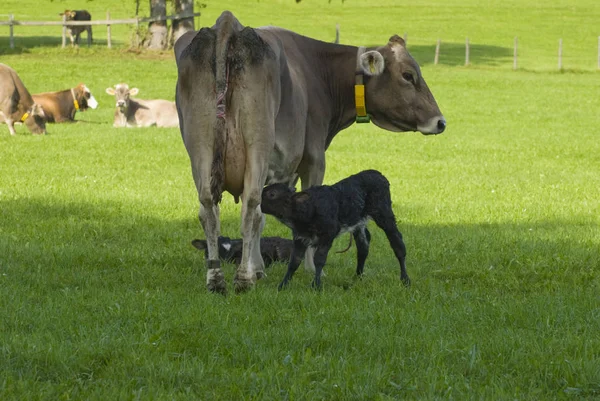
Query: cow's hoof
x=405, y=281
x=216, y=282
x=241, y=285
x=260, y=274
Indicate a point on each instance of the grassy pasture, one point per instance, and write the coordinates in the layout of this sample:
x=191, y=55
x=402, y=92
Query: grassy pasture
x=102, y=297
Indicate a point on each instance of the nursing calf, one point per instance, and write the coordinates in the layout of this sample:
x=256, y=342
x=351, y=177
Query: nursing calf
x=319, y=214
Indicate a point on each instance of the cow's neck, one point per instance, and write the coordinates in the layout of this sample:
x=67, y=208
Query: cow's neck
x=340, y=81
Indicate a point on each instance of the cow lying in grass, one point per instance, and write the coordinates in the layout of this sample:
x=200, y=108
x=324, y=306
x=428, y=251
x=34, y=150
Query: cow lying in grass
x=272, y=249
x=321, y=213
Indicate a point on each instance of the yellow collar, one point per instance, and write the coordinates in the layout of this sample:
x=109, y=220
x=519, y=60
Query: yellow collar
x=24, y=116
x=75, y=102
x=359, y=99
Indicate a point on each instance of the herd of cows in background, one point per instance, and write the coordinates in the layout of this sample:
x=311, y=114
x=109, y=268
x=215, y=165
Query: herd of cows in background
x=259, y=107
x=17, y=105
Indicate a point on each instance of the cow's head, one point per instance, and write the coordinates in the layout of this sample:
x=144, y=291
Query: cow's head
x=397, y=97
x=35, y=119
x=70, y=14
x=84, y=97
x=122, y=94
x=227, y=248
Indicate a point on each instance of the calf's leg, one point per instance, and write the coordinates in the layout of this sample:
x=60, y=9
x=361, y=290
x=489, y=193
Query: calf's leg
x=362, y=237
x=295, y=260
x=386, y=220
x=320, y=259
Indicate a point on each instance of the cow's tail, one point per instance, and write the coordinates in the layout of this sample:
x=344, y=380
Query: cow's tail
x=225, y=33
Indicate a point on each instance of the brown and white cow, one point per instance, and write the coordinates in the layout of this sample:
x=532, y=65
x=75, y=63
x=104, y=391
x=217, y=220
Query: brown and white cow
x=261, y=106
x=76, y=30
x=61, y=106
x=131, y=112
x=17, y=105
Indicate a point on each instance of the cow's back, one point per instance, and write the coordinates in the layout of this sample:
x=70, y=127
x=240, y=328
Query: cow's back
x=13, y=93
x=250, y=100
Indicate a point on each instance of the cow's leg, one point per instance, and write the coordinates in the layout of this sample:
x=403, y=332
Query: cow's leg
x=255, y=175
x=89, y=35
x=362, y=237
x=387, y=222
x=320, y=259
x=209, y=218
x=295, y=260
x=11, y=125
x=311, y=172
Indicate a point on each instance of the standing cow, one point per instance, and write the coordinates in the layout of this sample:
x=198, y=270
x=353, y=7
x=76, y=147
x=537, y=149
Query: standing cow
x=131, y=112
x=76, y=30
x=61, y=106
x=16, y=104
x=262, y=105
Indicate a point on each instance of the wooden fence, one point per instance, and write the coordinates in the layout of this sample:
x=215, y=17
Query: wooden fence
x=108, y=22
x=515, y=52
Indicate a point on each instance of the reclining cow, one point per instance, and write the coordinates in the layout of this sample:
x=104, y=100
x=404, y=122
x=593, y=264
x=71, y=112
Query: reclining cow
x=131, y=112
x=17, y=105
x=76, y=30
x=320, y=214
x=62, y=106
x=261, y=106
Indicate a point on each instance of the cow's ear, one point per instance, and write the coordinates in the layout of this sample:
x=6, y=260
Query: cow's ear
x=394, y=40
x=110, y=91
x=37, y=110
x=134, y=91
x=200, y=244
x=372, y=62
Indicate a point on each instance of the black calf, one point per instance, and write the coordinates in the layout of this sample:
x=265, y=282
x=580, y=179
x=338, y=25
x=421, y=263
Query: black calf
x=321, y=213
x=272, y=249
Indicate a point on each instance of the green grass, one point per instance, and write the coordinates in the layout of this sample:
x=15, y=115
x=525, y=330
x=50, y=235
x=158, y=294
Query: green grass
x=102, y=296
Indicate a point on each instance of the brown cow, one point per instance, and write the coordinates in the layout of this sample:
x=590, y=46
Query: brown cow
x=16, y=104
x=75, y=30
x=261, y=106
x=61, y=106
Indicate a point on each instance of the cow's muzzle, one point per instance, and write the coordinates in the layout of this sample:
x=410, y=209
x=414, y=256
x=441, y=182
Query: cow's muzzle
x=435, y=125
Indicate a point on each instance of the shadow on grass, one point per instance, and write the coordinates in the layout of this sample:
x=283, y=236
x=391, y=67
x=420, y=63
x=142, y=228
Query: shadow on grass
x=110, y=237
x=27, y=43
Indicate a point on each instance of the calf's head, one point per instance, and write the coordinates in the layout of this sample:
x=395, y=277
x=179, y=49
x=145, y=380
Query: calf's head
x=277, y=200
x=35, y=119
x=227, y=248
x=397, y=97
x=84, y=97
x=122, y=94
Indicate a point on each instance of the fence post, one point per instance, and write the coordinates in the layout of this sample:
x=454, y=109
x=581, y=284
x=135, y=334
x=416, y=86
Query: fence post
x=108, y=39
x=64, y=31
x=467, y=51
x=436, y=59
x=11, y=29
x=515, y=53
x=560, y=54
x=137, y=32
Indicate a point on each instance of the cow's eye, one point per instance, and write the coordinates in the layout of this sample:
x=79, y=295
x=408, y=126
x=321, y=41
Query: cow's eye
x=408, y=77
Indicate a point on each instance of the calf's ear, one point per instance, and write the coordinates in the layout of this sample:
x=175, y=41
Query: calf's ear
x=200, y=244
x=372, y=62
x=134, y=91
x=110, y=91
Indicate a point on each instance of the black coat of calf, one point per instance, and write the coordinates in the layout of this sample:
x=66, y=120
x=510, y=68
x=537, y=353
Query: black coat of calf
x=321, y=213
x=272, y=249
